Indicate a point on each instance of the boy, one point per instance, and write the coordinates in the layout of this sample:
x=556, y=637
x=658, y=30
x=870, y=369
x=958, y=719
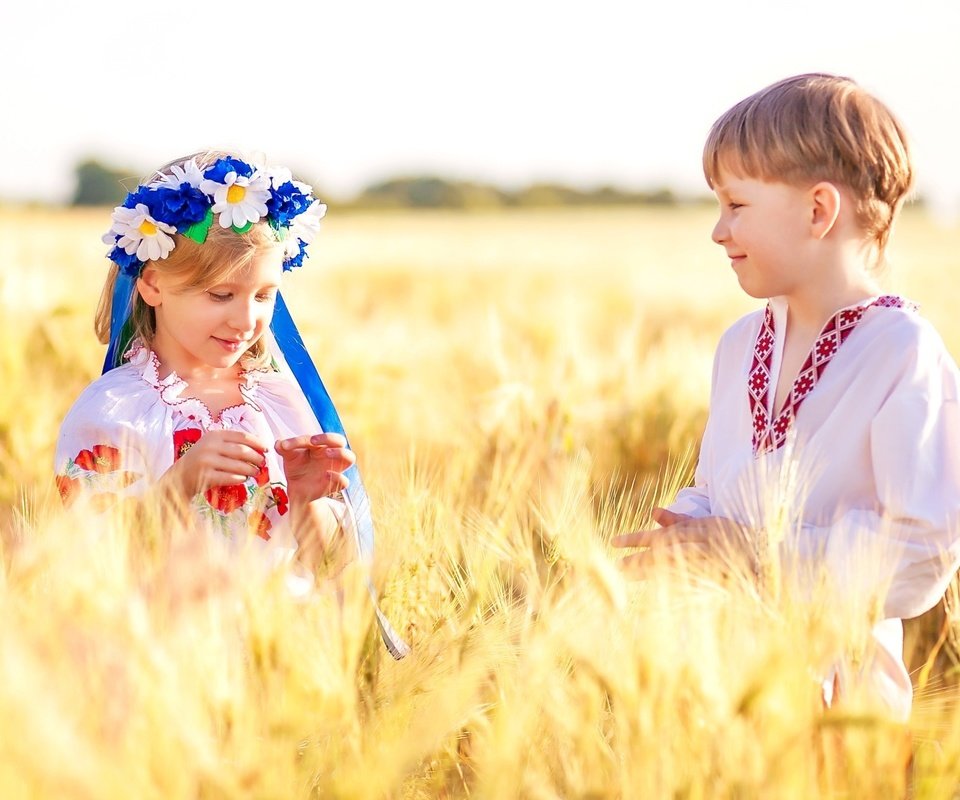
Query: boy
x=833, y=382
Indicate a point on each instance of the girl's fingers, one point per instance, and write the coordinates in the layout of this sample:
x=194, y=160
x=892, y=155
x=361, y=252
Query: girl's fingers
x=245, y=453
x=242, y=438
x=226, y=479
x=246, y=463
x=338, y=480
x=219, y=447
x=244, y=467
x=328, y=440
x=315, y=441
x=340, y=454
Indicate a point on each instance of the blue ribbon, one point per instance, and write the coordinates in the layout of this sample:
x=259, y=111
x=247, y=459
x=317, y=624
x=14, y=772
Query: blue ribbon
x=301, y=365
x=119, y=318
x=298, y=359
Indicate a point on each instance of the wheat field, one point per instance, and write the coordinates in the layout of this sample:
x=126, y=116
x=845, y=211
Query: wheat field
x=518, y=386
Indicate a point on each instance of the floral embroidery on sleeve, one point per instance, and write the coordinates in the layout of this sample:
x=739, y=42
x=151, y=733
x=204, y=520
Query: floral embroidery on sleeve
x=99, y=471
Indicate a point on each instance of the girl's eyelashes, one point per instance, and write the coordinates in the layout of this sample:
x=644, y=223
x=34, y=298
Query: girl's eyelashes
x=223, y=297
x=734, y=206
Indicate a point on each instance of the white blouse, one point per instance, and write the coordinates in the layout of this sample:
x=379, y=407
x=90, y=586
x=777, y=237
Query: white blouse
x=869, y=466
x=129, y=426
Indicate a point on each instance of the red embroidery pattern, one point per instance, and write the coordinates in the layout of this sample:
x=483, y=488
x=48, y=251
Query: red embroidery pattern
x=99, y=468
x=183, y=440
x=227, y=499
x=768, y=436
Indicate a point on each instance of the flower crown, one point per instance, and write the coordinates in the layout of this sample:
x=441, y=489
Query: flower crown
x=187, y=200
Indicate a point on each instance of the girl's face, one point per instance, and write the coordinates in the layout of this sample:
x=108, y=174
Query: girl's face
x=210, y=328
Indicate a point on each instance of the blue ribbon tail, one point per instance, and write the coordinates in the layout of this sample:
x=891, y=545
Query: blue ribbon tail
x=295, y=353
x=120, y=332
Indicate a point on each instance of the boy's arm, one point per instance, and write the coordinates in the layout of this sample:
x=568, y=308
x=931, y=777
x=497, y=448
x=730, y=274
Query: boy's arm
x=905, y=552
x=694, y=501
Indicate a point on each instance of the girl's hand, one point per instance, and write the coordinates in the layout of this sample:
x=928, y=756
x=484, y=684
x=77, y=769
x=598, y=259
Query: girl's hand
x=314, y=465
x=324, y=536
x=685, y=539
x=219, y=458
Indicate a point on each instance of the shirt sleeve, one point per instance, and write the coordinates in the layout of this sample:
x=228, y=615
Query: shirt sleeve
x=694, y=501
x=905, y=551
x=97, y=457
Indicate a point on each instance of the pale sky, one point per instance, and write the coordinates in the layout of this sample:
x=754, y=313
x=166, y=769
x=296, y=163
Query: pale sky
x=509, y=92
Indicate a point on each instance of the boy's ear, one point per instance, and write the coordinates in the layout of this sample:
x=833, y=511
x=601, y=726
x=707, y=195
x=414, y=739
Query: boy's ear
x=148, y=287
x=825, y=202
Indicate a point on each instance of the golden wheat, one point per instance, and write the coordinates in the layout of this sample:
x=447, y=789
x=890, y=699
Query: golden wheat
x=518, y=387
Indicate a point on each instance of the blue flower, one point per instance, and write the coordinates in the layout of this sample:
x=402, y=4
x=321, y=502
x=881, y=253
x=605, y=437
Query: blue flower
x=218, y=172
x=178, y=207
x=184, y=199
x=286, y=202
x=141, y=195
x=129, y=263
x=297, y=260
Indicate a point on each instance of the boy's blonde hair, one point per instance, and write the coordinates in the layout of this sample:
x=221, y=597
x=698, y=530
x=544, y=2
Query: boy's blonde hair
x=195, y=266
x=818, y=127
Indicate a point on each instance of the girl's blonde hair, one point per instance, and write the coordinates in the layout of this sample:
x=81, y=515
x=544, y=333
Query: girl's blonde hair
x=195, y=265
x=815, y=127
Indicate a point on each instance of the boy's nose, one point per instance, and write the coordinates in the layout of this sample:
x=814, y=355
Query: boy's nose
x=720, y=233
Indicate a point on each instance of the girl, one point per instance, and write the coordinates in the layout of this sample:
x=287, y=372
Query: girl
x=197, y=405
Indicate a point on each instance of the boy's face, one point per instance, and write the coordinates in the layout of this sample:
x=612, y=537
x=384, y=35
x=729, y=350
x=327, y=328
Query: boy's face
x=765, y=229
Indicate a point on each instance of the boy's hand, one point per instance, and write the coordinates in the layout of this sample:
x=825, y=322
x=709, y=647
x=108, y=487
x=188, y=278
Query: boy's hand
x=685, y=539
x=219, y=458
x=314, y=465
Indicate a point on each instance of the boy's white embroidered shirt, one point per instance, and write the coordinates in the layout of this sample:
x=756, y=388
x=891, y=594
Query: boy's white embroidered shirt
x=875, y=449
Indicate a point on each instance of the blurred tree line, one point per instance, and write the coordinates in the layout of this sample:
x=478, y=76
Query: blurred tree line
x=99, y=184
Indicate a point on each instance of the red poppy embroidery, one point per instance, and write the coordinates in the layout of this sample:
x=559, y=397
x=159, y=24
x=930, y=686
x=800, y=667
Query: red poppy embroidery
x=281, y=499
x=226, y=498
x=69, y=488
x=260, y=524
x=97, y=469
x=101, y=458
x=183, y=440
x=263, y=476
x=770, y=435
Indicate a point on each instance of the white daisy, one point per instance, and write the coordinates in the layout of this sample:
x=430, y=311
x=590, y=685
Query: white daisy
x=304, y=227
x=188, y=172
x=291, y=247
x=279, y=176
x=140, y=233
x=239, y=200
